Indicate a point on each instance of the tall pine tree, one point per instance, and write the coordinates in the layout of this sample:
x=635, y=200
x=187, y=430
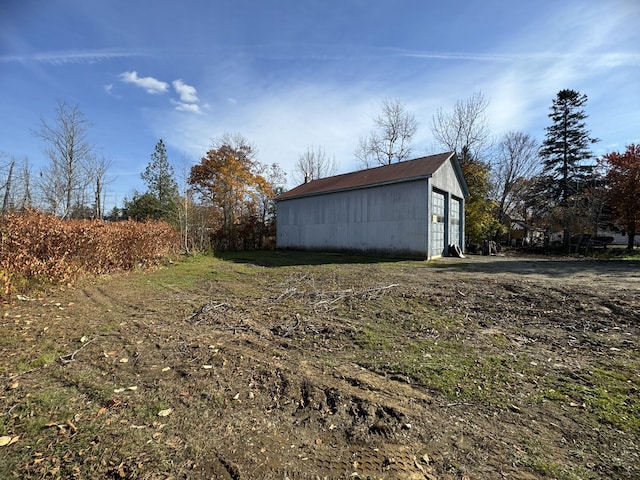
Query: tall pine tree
x=564, y=152
x=161, y=184
x=160, y=200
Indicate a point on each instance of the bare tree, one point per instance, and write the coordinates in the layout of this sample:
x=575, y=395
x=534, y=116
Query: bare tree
x=25, y=199
x=187, y=210
x=96, y=171
x=15, y=184
x=464, y=130
x=517, y=159
x=276, y=180
x=51, y=189
x=6, y=202
x=390, y=141
x=238, y=142
x=68, y=151
x=313, y=164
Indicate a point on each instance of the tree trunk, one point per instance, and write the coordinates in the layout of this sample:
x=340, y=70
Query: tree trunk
x=567, y=239
x=7, y=191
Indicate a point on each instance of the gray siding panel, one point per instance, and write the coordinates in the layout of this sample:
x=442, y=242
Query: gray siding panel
x=389, y=218
x=445, y=179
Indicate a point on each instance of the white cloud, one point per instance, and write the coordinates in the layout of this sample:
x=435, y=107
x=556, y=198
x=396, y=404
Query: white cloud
x=150, y=84
x=108, y=88
x=187, y=93
x=186, y=107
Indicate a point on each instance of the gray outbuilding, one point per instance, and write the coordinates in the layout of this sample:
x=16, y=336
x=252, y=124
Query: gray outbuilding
x=413, y=208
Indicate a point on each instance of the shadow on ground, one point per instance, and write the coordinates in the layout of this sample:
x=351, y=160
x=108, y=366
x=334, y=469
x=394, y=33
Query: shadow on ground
x=285, y=258
x=543, y=266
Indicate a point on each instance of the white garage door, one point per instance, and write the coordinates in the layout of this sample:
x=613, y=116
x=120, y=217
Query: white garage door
x=437, y=223
x=454, y=227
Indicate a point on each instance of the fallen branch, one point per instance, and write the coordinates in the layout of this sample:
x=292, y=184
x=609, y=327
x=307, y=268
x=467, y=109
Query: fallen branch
x=290, y=330
x=235, y=327
x=327, y=301
x=13, y=377
x=455, y=404
x=206, y=308
x=70, y=357
x=367, y=293
x=10, y=410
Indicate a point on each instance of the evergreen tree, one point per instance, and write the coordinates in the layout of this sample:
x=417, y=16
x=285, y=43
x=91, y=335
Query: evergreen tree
x=564, y=151
x=161, y=184
x=143, y=206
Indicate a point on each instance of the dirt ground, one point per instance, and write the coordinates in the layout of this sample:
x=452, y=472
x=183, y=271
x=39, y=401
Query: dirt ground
x=275, y=367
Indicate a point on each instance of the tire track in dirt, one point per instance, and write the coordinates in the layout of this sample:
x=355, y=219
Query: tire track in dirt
x=348, y=401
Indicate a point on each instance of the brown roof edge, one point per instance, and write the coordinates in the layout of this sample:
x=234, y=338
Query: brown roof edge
x=422, y=167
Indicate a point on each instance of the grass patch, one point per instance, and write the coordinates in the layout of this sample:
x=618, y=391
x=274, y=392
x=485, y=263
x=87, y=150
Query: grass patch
x=552, y=469
x=617, y=253
x=607, y=395
x=185, y=273
x=459, y=372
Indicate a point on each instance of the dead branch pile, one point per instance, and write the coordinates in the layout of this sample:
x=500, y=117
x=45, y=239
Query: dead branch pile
x=304, y=290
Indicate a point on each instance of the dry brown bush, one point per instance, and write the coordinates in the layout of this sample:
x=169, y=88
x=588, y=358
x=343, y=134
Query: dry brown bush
x=42, y=248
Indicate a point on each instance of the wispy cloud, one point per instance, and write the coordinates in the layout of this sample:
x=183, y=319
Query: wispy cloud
x=150, y=84
x=519, y=75
x=610, y=59
x=455, y=56
x=187, y=93
x=70, y=57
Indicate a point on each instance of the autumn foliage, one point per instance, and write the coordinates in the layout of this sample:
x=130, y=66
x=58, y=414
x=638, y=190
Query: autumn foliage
x=230, y=184
x=623, y=179
x=39, y=247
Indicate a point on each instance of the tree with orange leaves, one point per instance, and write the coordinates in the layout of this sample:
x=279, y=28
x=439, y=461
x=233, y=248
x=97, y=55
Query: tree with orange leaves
x=623, y=181
x=227, y=181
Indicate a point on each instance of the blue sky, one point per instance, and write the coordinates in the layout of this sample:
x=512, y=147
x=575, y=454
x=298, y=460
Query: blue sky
x=292, y=74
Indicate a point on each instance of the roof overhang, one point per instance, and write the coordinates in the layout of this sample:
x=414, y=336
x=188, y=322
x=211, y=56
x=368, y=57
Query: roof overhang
x=408, y=171
x=357, y=187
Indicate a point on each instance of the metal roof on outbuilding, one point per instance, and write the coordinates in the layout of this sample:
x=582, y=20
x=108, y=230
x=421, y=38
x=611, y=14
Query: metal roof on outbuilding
x=423, y=167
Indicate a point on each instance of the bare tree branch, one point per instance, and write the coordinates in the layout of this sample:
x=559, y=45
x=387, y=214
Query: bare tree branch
x=313, y=164
x=390, y=141
x=464, y=130
x=517, y=160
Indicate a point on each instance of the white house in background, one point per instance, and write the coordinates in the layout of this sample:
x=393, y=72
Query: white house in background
x=413, y=208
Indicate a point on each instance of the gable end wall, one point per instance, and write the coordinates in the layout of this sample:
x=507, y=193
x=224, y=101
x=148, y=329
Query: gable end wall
x=446, y=180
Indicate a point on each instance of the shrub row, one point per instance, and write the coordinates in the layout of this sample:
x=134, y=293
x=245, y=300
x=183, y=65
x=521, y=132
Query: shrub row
x=42, y=248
